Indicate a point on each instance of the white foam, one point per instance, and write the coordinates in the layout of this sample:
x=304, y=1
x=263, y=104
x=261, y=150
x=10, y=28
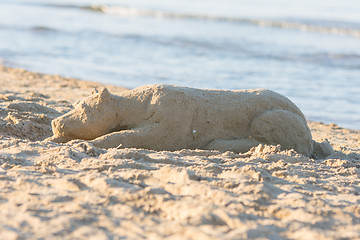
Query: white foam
x=137, y=12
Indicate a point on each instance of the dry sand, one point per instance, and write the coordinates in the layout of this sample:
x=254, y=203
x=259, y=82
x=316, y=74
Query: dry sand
x=76, y=191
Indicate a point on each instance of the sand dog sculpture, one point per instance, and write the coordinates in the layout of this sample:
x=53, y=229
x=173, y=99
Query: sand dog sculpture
x=166, y=117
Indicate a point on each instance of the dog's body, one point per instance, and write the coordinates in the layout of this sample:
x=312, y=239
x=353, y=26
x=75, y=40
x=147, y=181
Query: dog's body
x=165, y=117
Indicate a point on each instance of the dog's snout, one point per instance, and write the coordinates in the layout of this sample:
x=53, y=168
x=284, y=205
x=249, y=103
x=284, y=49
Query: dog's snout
x=57, y=126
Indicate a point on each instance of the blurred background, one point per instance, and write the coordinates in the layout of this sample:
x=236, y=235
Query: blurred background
x=308, y=50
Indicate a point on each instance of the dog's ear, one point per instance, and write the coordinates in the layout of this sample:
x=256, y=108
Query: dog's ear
x=104, y=94
x=94, y=91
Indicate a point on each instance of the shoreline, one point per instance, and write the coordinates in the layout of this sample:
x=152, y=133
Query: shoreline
x=26, y=81
x=84, y=87
x=75, y=190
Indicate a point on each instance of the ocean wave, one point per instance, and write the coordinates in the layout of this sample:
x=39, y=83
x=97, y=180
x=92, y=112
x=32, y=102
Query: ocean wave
x=125, y=11
x=307, y=25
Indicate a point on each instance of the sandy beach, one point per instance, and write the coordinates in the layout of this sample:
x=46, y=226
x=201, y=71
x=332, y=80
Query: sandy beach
x=77, y=191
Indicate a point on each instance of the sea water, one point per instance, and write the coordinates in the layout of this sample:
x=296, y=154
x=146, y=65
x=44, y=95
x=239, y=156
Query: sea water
x=308, y=50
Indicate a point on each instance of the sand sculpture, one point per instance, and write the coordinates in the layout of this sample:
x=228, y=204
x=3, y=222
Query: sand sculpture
x=165, y=117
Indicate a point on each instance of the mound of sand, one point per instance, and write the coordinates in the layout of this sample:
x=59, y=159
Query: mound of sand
x=77, y=191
